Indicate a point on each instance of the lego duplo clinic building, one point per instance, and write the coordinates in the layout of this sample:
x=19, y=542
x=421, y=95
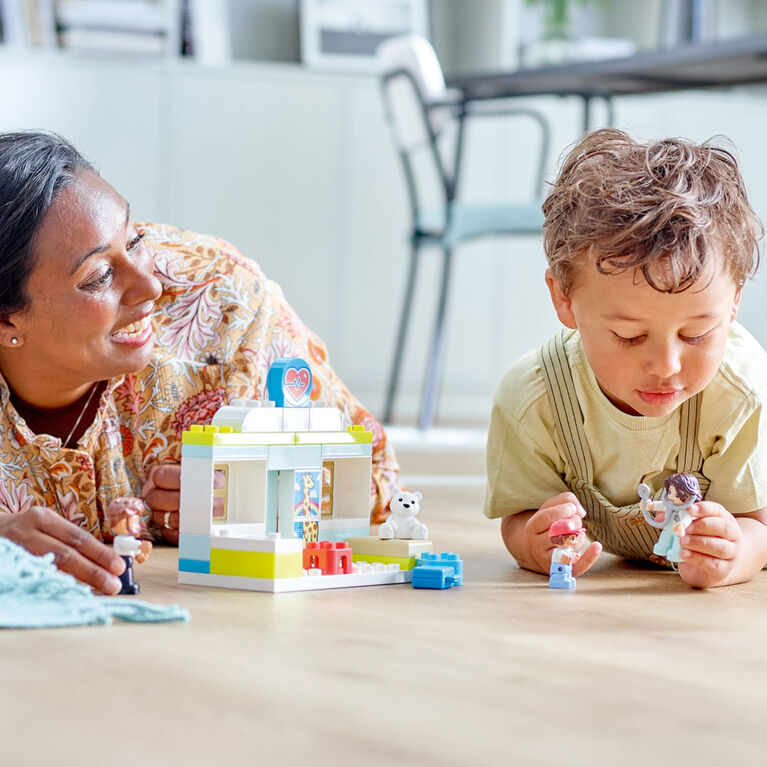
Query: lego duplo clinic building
x=274, y=492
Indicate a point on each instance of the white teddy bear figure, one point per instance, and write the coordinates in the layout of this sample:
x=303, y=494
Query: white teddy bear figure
x=402, y=522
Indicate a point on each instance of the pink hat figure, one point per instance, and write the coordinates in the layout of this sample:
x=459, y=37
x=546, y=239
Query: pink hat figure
x=564, y=534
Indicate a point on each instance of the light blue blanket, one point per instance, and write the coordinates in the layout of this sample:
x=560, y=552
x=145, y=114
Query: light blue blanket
x=35, y=594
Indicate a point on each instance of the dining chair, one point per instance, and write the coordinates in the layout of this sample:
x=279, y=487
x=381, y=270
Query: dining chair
x=429, y=120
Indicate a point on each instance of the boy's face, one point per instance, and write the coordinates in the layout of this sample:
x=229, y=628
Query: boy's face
x=649, y=351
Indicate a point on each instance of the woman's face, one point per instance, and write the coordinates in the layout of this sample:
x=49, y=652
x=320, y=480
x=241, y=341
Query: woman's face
x=91, y=293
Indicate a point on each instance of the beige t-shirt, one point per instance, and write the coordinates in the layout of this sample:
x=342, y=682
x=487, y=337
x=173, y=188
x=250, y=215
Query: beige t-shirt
x=526, y=461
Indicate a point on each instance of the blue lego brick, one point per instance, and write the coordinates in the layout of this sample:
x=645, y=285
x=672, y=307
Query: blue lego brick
x=192, y=546
x=347, y=451
x=444, y=559
x=225, y=452
x=435, y=577
x=289, y=382
x=193, y=566
x=294, y=457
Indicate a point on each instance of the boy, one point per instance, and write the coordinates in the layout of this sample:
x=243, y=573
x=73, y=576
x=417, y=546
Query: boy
x=648, y=248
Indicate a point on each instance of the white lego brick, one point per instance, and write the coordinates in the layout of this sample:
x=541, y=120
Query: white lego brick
x=249, y=416
x=240, y=530
x=196, y=495
x=326, y=419
x=263, y=544
x=306, y=583
x=264, y=419
x=295, y=418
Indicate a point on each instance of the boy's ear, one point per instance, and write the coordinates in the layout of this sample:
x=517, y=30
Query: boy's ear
x=562, y=303
x=735, y=304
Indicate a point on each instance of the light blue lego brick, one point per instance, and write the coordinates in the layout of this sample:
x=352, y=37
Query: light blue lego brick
x=191, y=546
x=197, y=451
x=445, y=559
x=435, y=577
x=341, y=534
x=226, y=452
x=294, y=457
x=347, y=451
x=193, y=566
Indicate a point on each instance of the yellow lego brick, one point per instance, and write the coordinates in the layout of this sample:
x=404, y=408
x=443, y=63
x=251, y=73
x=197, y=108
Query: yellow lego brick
x=256, y=564
x=405, y=563
x=361, y=434
x=237, y=439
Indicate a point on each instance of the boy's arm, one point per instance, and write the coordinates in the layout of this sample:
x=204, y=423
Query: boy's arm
x=720, y=549
x=513, y=534
x=526, y=535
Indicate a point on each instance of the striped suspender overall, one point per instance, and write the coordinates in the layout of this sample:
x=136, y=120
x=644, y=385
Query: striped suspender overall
x=621, y=530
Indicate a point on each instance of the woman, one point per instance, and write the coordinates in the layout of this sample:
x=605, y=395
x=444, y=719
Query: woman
x=114, y=338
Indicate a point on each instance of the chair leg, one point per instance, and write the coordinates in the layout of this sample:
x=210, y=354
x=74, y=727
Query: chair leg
x=436, y=354
x=399, y=349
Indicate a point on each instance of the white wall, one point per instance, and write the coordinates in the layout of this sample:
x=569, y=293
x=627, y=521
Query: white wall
x=297, y=169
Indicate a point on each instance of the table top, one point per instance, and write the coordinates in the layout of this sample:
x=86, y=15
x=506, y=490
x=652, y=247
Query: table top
x=711, y=65
x=634, y=668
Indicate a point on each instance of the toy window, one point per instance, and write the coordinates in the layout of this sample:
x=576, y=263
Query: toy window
x=220, y=492
x=328, y=474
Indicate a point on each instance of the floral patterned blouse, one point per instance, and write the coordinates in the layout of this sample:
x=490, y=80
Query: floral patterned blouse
x=219, y=325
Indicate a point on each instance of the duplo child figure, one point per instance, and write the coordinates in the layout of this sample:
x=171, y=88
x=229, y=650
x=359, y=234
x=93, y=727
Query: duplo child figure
x=648, y=247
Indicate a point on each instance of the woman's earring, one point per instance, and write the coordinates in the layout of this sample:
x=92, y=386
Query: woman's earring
x=14, y=341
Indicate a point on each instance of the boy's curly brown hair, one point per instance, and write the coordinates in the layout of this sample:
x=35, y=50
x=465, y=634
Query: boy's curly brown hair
x=665, y=207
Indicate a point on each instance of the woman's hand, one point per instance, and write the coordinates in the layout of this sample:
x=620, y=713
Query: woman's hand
x=162, y=493
x=75, y=551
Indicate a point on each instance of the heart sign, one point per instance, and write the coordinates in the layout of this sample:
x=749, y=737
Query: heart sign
x=289, y=382
x=296, y=386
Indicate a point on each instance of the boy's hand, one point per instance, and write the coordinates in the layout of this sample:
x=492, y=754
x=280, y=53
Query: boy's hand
x=75, y=551
x=710, y=546
x=527, y=535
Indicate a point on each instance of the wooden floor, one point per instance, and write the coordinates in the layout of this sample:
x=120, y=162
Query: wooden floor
x=633, y=669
